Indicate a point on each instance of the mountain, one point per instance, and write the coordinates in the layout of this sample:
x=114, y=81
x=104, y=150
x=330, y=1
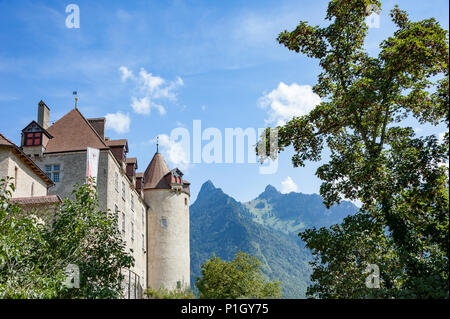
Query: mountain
x=266, y=227
x=293, y=212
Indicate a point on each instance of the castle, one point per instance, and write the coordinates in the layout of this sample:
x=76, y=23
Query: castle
x=152, y=207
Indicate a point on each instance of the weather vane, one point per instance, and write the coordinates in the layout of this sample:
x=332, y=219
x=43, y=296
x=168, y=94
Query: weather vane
x=157, y=144
x=76, y=98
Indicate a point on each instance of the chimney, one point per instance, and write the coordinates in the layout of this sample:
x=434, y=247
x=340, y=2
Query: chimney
x=43, y=115
x=99, y=126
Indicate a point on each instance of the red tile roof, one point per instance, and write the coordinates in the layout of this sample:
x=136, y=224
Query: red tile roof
x=155, y=172
x=73, y=132
x=117, y=143
x=38, y=200
x=5, y=141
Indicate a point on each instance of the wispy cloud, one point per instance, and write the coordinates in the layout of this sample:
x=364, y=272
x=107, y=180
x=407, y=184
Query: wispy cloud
x=174, y=152
x=288, y=185
x=126, y=73
x=150, y=88
x=287, y=101
x=118, y=122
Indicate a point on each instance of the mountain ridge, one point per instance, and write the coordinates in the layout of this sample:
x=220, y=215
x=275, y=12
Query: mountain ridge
x=221, y=225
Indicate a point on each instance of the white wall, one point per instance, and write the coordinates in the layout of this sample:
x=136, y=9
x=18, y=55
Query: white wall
x=26, y=177
x=168, y=247
x=114, y=197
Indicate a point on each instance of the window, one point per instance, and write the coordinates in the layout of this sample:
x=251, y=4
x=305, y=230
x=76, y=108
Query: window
x=123, y=190
x=185, y=201
x=143, y=217
x=116, y=211
x=116, y=182
x=163, y=222
x=132, y=231
x=178, y=284
x=143, y=242
x=33, y=139
x=32, y=189
x=53, y=172
x=16, y=174
x=123, y=223
x=132, y=202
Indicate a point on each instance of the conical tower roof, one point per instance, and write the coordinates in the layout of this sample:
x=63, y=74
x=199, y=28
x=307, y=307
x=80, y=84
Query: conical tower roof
x=155, y=173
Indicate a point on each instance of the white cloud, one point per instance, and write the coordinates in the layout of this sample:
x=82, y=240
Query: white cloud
x=159, y=107
x=288, y=185
x=287, y=101
x=149, y=82
x=174, y=152
x=118, y=122
x=150, y=88
x=126, y=73
x=144, y=105
x=141, y=106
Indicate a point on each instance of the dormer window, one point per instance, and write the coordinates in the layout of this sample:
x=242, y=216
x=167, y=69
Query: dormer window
x=33, y=139
x=176, y=177
x=34, y=135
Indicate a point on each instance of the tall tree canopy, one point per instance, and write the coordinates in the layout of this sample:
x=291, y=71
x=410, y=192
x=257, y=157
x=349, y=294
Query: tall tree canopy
x=400, y=178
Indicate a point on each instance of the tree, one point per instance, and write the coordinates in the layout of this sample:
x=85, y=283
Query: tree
x=342, y=254
x=240, y=278
x=34, y=256
x=163, y=293
x=26, y=271
x=85, y=236
x=399, y=178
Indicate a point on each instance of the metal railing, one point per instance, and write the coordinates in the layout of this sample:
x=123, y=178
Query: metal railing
x=132, y=285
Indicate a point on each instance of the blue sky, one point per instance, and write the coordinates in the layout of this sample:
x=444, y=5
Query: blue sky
x=163, y=64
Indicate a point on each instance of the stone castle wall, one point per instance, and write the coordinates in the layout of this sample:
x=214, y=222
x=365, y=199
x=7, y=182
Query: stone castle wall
x=168, y=239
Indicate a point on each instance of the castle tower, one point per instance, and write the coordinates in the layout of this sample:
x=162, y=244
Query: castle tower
x=168, y=255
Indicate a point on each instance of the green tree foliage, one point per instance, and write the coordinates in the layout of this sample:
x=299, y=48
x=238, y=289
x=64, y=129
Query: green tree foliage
x=240, y=278
x=398, y=177
x=34, y=255
x=83, y=235
x=163, y=293
x=26, y=269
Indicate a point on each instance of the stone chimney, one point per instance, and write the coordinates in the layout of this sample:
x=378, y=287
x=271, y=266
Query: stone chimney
x=43, y=115
x=99, y=126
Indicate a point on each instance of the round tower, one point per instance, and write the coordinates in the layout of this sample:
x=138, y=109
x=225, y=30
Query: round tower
x=168, y=254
